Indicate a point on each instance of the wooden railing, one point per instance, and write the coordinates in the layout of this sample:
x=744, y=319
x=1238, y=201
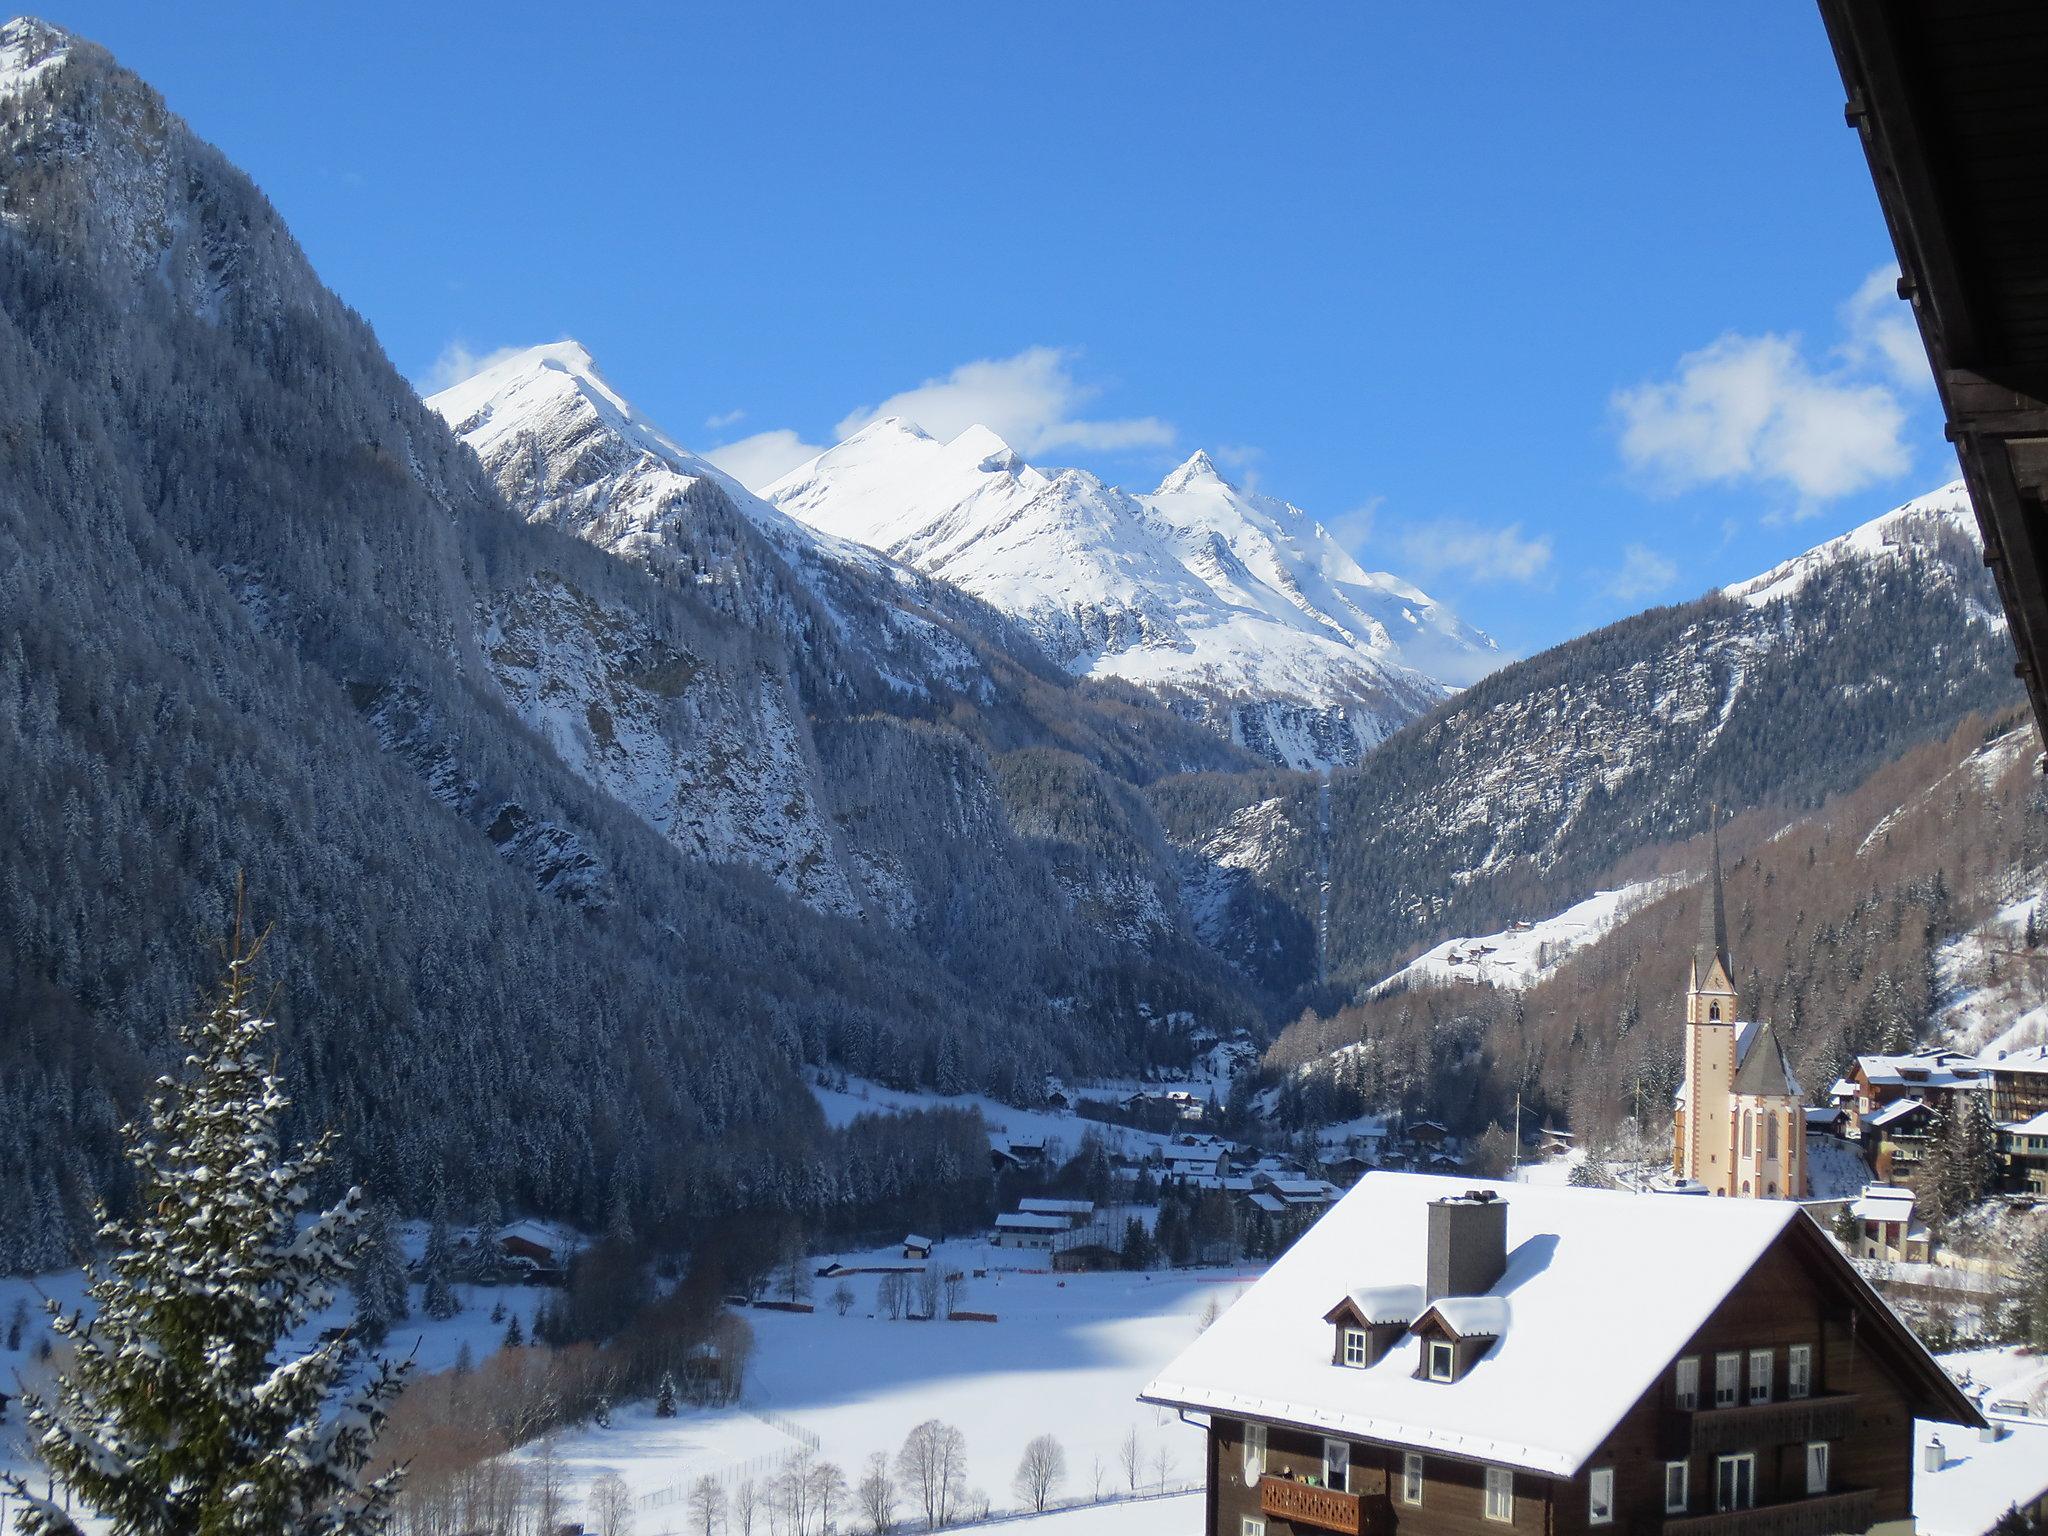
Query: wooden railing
x=1827, y=1514
x=1350, y=1514
x=1754, y=1426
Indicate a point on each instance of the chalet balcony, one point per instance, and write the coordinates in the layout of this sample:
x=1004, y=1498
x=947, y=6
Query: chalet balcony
x=1756, y=1426
x=1325, y=1509
x=1828, y=1514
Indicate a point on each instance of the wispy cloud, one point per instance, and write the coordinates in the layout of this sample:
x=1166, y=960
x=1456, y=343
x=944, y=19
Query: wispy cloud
x=1032, y=400
x=763, y=458
x=1880, y=333
x=1480, y=554
x=1643, y=573
x=1755, y=410
x=458, y=361
x=720, y=420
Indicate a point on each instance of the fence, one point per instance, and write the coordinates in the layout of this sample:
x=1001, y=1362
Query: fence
x=732, y=1472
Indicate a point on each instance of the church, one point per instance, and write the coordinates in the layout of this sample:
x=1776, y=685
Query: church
x=1739, y=1127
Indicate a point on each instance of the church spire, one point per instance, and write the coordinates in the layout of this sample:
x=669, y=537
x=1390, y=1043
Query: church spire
x=1714, y=914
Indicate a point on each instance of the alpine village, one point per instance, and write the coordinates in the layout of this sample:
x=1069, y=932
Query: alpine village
x=881, y=977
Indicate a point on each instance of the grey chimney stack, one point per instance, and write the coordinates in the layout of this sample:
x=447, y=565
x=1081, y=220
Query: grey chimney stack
x=1468, y=1244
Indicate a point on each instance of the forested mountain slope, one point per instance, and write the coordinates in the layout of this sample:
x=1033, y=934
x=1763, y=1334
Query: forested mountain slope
x=260, y=611
x=1514, y=799
x=1848, y=930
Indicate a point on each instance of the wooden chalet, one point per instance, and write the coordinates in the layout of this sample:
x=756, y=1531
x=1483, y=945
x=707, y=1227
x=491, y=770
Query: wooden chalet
x=1946, y=97
x=1435, y=1358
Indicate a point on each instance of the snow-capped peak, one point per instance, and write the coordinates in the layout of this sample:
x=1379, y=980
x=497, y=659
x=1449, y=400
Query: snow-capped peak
x=1199, y=467
x=29, y=49
x=1197, y=589
x=1915, y=525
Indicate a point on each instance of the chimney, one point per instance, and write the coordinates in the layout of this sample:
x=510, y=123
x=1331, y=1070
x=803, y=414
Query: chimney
x=1468, y=1244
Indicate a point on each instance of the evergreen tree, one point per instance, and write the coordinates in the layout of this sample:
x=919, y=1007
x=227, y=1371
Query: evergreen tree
x=436, y=1268
x=514, y=1336
x=180, y=1410
x=665, y=1396
x=379, y=1281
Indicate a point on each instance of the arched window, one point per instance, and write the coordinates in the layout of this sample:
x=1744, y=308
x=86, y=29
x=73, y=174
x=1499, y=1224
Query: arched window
x=1748, y=1130
x=1714, y=1012
x=1745, y=1186
x=1771, y=1138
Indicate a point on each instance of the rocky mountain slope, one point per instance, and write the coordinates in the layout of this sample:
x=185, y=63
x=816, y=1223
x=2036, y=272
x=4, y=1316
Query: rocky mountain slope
x=1524, y=793
x=1239, y=608
x=573, y=858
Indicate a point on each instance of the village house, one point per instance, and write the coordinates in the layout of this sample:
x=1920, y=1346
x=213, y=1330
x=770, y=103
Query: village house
x=1071, y=1213
x=1739, y=1126
x=1934, y=1077
x=1021, y=1229
x=1890, y=1230
x=1442, y=1359
x=2024, y=1144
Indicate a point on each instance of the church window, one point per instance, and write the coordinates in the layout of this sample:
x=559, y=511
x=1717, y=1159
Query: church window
x=1748, y=1126
x=1714, y=1012
x=1770, y=1135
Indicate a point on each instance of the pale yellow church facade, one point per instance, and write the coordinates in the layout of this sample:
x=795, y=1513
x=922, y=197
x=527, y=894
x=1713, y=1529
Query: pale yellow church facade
x=1739, y=1127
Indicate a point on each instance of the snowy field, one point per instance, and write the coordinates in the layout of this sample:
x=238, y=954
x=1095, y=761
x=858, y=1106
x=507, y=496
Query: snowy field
x=1067, y=1358
x=1061, y=1131
x=1520, y=957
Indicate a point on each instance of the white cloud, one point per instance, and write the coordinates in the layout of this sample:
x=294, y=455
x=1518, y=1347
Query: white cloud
x=1644, y=573
x=763, y=458
x=1882, y=336
x=1030, y=400
x=1750, y=409
x=456, y=363
x=719, y=421
x=1476, y=553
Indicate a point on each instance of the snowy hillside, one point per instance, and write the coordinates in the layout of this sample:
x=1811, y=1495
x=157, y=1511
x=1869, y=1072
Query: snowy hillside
x=1904, y=532
x=1523, y=954
x=1241, y=607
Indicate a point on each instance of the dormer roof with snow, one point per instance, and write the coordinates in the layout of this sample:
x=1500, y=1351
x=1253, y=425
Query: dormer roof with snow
x=1585, y=1268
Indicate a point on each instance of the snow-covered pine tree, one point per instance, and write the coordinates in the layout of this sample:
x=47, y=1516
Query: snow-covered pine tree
x=383, y=1295
x=439, y=1300
x=183, y=1408
x=665, y=1396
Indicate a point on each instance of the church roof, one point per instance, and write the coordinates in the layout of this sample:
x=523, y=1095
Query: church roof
x=1762, y=1069
x=1714, y=920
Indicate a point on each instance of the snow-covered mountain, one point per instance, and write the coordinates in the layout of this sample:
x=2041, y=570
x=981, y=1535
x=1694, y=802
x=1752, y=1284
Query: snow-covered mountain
x=1239, y=607
x=1903, y=534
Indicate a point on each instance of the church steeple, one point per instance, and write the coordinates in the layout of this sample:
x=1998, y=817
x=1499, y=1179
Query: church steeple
x=1714, y=917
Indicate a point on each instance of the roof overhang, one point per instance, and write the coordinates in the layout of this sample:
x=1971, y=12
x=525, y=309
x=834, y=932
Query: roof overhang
x=1947, y=98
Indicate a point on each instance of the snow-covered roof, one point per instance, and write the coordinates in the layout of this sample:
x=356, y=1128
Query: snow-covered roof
x=1938, y=1068
x=1040, y=1206
x=1898, y=1109
x=2037, y=1126
x=2033, y=1058
x=1540, y=1398
x=1824, y=1115
x=1387, y=1303
x=1024, y=1222
x=1473, y=1317
x=1272, y=1205
x=916, y=1240
x=1980, y=1479
x=1760, y=1064
x=1883, y=1202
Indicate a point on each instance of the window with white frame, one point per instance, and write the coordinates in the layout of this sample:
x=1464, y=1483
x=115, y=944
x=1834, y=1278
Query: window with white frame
x=1762, y=1371
x=1254, y=1452
x=1677, y=1487
x=1500, y=1494
x=1411, y=1477
x=1253, y=1526
x=1442, y=1360
x=1816, y=1467
x=1686, y=1382
x=1799, y=1370
x=1354, y=1346
x=1727, y=1380
x=1337, y=1465
x=1600, y=1497
x=1735, y=1482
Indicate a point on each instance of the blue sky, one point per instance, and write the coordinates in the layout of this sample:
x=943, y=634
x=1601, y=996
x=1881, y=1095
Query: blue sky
x=1558, y=310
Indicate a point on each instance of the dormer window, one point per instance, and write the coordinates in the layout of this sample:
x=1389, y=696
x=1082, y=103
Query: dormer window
x=1369, y=1322
x=1443, y=1360
x=1354, y=1350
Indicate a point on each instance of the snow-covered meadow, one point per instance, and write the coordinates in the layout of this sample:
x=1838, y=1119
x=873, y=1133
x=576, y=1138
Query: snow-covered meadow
x=1066, y=1357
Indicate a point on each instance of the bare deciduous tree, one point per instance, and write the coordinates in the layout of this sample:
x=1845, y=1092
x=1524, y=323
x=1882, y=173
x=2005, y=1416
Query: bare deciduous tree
x=1130, y=1455
x=707, y=1505
x=878, y=1494
x=932, y=1464
x=929, y=1283
x=1040, y=1472
x=611, y=1505
x=842, y=1298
